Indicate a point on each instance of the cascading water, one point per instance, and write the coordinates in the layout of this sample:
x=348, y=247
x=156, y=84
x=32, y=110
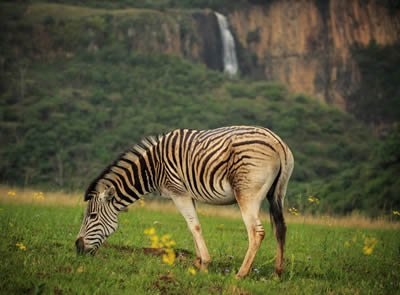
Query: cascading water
x=228, y=45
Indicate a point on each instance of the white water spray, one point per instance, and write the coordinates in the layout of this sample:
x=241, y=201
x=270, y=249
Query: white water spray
x=228, y=45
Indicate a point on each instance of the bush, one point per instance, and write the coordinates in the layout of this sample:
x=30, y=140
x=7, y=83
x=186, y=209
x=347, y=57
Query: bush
x=253, y=36
x=388, y=152
x=331, y=127
x=49, y=20
x=237, y=90
x=302, y=98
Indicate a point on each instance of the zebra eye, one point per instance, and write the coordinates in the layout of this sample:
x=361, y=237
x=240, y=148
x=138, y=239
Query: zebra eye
x=93, y=215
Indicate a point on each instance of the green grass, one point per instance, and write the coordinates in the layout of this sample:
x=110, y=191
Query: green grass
x=317, y=259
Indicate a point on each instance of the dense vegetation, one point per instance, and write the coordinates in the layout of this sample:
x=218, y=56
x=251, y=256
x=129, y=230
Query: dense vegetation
x=65, y=113
x=377, y=101
x=38, y=257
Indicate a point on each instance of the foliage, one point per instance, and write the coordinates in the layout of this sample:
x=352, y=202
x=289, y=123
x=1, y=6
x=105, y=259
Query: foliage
x=372, y=185
x=38, y=255
x=378, y=98
x=388, y=152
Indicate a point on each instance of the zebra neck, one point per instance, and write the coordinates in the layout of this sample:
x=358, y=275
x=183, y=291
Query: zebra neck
x=133, y=175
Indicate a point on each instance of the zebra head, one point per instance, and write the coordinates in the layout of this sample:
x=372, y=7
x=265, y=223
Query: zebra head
x=100, y=219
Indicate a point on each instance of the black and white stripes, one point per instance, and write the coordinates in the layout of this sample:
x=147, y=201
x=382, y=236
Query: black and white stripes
x=201, y=163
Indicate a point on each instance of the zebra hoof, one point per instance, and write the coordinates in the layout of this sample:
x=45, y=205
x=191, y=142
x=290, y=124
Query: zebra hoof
x=197, y=262
x=278, y=272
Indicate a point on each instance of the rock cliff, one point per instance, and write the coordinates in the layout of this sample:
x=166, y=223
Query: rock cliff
x=194, y=35
x=307, y=44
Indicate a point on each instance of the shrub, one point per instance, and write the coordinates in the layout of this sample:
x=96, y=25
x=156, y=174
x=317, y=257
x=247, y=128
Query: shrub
x=253, y=36
x=237, y=90
x=302, y=98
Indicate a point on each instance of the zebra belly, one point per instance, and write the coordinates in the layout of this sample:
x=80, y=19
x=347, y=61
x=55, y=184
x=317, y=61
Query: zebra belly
x=219, y=197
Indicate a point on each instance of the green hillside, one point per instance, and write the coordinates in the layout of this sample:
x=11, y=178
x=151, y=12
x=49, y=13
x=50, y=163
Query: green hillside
x=63, y=118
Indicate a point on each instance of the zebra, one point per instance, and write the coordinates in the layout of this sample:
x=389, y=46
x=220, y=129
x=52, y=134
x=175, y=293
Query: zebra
x=238, y=164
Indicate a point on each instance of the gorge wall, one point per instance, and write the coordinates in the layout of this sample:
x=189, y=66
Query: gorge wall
x=307, y=44
x=194, y=35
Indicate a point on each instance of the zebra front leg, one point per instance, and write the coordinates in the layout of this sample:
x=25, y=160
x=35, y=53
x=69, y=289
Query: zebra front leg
x=187, y=208
x=197, y=261
x=250, y=210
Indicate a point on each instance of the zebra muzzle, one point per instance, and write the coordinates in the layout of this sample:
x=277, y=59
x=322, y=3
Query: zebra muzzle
x=80, y=245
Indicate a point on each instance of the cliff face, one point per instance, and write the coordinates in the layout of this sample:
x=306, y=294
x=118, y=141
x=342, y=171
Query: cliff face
x=194, y=35
x=307, y=44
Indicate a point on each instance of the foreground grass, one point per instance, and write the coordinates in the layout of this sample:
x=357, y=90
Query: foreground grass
x=38, y=255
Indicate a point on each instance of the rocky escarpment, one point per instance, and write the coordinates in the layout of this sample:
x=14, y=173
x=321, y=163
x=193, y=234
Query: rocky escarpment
x=36, y=34
x=193, y=35
x=307, y=44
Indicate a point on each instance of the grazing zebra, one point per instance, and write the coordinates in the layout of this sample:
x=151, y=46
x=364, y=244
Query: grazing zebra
x=239, y=164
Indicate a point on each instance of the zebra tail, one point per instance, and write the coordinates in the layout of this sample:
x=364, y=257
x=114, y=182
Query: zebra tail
x=276, y=196
x=276, y=204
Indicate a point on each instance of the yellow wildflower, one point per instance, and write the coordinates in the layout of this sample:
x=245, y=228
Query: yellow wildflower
x=294, y=211
x=367, y=250
x=396, y=213
x=11, y=193
x=192, y=271
x=150, y=231
x=311, y=199
x=165, y=238
x=369, y=245
x=165, y=241
x=38, y=196
x=79, y=269
x=169, y=256
x=21, y=246
x=155, y=243
x=347, y=244
x=141, y=203
x=168, y=244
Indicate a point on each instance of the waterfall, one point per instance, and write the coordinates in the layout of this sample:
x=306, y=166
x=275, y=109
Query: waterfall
x=228, y=46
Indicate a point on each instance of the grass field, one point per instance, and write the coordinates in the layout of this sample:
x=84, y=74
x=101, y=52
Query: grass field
x=38, y=253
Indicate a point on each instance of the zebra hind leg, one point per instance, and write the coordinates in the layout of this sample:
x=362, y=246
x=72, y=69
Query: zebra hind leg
x=280, y=232
x=250, y=210
x=187, y=208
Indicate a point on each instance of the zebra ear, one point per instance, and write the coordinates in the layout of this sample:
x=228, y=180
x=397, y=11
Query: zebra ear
x=109, y=193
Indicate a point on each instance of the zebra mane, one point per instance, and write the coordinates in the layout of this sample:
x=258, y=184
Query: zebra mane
x=141, y=148
x=135, y=152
